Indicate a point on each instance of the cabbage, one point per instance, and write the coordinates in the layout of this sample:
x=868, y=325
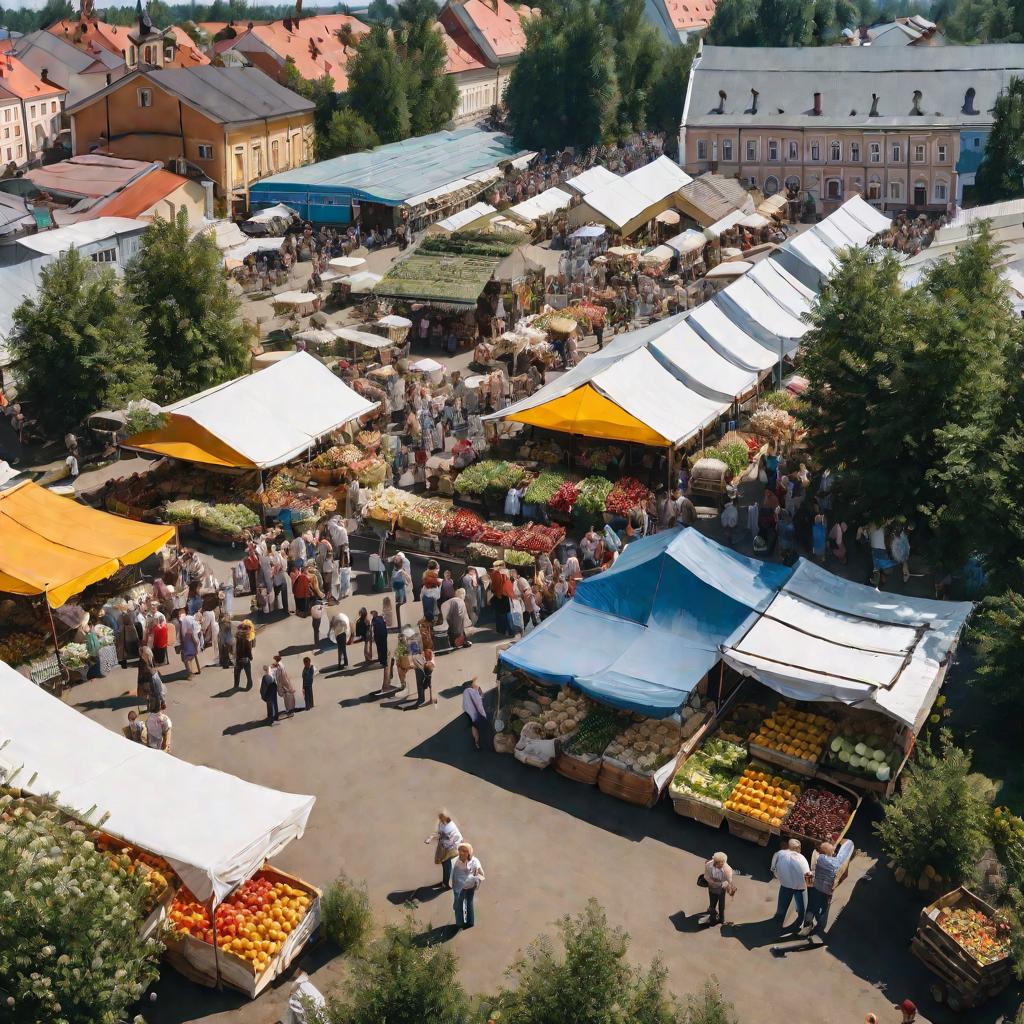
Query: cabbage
x=860, y=749
x=883, y=773
x=837, y=745
x=844, y=756
x=879, y=756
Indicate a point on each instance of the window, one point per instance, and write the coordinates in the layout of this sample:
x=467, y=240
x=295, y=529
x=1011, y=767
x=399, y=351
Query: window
x=17, y=130
x=897, y=152
x=21, y=151
x=702, y=149
x=751, y=150
x=7, y=113
x=815, y=150
x=874, y=189
x=773, y=152
x=8, y=154
x=875, y=152
x=771, y=185
x=275, y=155
x=7, y=133
x=833, y=189
x=836, y=151
x=239, y=175
x=920, y=193
x=977, y=142
x=168, y=54
x=855, y=152
x=793, y=183
x=150, y=55
x=104, y=256
x=31, y=110
x=895, y=190
x=205, y=151
x=794, y=150
x=257, y=161
x=919, y=153
x=727, y=150
x=941, y=192
x=131, y=55
x=940, y=153
x=145, y=97
x=53, y=107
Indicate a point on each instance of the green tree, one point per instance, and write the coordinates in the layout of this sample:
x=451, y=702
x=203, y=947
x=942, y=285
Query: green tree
x=320, y=91
x=401, y=979
x=998, y=631
x=346, y=914
x=563, y=90
x=380, y=10
x=1001, y=174
x=587, y=980
x=640, y=54
x=80, y=344
x=708, y=1006
x=346, y=132
x=735, y=23
x=668, y=92
x=430, y=93
x=70, y=951
x=377, y=85
x=195, y=336
x=939, y=820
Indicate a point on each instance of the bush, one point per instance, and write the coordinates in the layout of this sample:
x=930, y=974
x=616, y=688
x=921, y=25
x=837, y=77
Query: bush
x=345, y=911
x=708, y=1006
x=939, y=820
x=783, y=400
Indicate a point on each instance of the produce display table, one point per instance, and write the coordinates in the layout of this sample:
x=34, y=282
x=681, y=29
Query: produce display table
x=958, y=938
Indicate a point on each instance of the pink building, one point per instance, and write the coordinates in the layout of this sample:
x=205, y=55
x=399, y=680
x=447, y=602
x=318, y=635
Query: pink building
x=832, y=121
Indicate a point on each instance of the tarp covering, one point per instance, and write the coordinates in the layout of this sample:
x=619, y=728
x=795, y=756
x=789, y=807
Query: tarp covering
x=826, y=638
x=278, y=211
x=54, y=546
x=687, y=241
x=701, y=367
x=547, y=202
x=640, y=636
x=874, y=221
x=764, y=310
x=261, y=420
x=726, y=337
x=462, y=218
x=592, y=179
x=785, y=289
x=214, y=829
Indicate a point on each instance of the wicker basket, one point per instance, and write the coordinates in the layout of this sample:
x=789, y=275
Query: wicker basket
x=626, y=785
x=577, y=769
x=796, y=765
x=744, y=827
x=698, y=810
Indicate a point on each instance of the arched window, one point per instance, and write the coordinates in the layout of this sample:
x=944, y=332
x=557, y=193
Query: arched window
x=793, y=183
x=874, y=187
x=771, y=185
x=833, y=188
x=836, y=151
x=920, y=192
x=969, y=102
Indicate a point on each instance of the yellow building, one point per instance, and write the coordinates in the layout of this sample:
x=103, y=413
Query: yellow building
x=232, y=126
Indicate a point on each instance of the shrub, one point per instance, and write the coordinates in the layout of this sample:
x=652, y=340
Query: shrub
x=345, y=911
x=708, y=1006
x=783, y=400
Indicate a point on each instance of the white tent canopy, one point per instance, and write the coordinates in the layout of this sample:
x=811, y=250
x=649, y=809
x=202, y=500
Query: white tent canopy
x=550, y=201
x=701, y=367
x=364, y=338
x=591, y=180
x=273, y=213
x=727, y=338
x=659, y=178
x=763, y=309
x=214, y=829
x=278, y=413
x=462, y=218
x=785, y=289
x=826, y=638
x=869, y=218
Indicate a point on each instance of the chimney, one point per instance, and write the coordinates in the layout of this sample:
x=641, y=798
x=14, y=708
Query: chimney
x=874, y=105
x=753, y=100
x=817, y=103
x=721, y=102
x=916, y=109
x=108, y=78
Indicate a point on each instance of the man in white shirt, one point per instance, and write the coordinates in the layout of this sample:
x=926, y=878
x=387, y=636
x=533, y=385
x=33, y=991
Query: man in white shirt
x=338, y=536
x=790, y=867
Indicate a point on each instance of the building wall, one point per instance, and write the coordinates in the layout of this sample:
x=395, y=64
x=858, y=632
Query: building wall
x=479, y=90
x=43, y=123
x=190, y=197
x=889, y=167
x=12, y=134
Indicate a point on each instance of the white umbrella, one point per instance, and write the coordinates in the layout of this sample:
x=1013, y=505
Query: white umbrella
x=347, y=262
x=315, y=336
x=393, y=320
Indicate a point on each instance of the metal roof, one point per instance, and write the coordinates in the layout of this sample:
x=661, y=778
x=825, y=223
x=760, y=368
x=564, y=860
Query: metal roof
x=786, y=80
x=395, y=173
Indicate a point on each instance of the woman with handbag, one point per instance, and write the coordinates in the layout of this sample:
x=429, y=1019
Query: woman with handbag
x=447, y=838
x=717, y=878
x=467, y=877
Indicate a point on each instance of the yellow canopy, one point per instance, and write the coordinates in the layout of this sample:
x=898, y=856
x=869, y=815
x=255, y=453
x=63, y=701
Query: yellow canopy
x=54, y=546
x=586, y=411
x=183, y=438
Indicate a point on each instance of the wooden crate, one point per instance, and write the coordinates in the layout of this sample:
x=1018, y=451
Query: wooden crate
x=808, y=843
x=690, y=807
x=577, y=769
x=929, y=930
x=627, y=785
x=198, y=961
x=744, y=827
x=796, y=765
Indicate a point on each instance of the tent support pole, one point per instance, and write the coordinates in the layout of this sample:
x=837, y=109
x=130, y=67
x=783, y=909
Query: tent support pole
x=668, y=470
x=263, y=507
x=56, y=649
x=212, y=911
x=721, y=675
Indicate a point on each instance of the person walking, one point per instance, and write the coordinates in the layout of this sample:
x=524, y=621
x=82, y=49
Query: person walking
x=379, y=629
x=245, y=643
x=718, y=876
x=473, y=707
x=423, y=665
x=316, y=618
x=134, y=730
x=159, y=639
x=341, y=630
x=144, y=678
x=308, y=672
x=158, y=730
x=827, y=865
x=467, y=877
x=400, y=585
x=791, y=869
x=225, y=640
x=364, y=632
x=279, y=577
x=447, y=837
x=188, y=635
x=268, y=694
x=285, y=689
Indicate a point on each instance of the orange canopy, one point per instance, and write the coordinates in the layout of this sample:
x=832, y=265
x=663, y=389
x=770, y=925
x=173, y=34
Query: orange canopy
x=586, y=411
x=54, y=546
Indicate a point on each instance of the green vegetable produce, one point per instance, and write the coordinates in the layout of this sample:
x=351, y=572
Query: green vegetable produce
x=543, y=489
x=595, y=732
x=593, y=494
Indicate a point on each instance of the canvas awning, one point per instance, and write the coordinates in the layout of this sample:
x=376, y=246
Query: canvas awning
x=756, y=221
x=364, y=338
x=669, y=217
x=279, y=211
x=263, y=420
x=773, y=205
x=214, y=829
x=826, y=638
x=688, y=356
x=735, y=268
x=687, y=241
x=728, y=338
x=54, y=546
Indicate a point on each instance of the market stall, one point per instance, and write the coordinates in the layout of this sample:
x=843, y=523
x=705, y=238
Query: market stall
x=295, y=303
x=216, y=832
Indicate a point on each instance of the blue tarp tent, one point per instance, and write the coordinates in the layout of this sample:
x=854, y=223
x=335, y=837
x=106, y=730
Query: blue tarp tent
x=643, y=634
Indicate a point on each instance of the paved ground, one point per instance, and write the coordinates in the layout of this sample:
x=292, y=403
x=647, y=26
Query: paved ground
x=380, y=774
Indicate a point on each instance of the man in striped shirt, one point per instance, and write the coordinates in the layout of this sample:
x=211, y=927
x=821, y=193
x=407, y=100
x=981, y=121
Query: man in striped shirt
x=827, y=866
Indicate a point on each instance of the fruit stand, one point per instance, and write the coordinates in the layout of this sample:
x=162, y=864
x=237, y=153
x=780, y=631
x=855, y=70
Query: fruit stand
x=963, y=940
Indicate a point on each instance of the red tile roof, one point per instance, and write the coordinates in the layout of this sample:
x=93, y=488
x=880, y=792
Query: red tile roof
x=187, y=54
x=463, y=53
x=499, y=23
x=139, y=196
x=687, y=14
x=23, y=82
x=313, y=45
x=81, y=33
x=89, y=174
